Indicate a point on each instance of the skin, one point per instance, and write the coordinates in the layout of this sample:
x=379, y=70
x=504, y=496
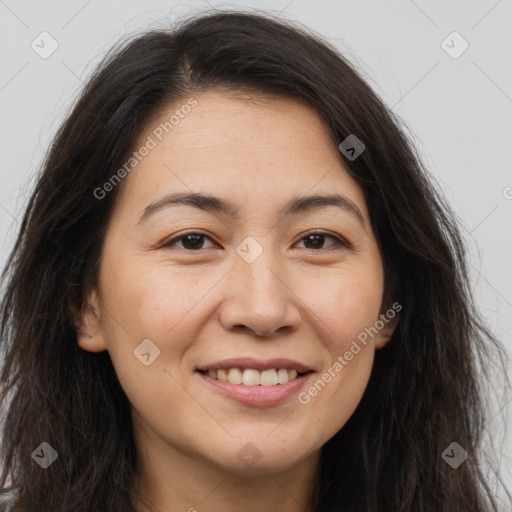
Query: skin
x=201, y=305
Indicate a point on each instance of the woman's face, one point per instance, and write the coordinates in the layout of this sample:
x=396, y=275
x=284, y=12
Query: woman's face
x=251, y=283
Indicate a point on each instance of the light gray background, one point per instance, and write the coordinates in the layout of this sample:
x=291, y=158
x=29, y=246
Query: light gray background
x=459, y=110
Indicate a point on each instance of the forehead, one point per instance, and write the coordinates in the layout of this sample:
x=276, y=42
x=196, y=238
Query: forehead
x=251, y=148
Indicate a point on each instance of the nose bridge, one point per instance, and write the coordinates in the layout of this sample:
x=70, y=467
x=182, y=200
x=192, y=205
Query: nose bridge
x=259, y=277
x=259, y=298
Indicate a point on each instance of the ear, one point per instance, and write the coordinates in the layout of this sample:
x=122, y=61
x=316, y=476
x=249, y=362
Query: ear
x=87, y=321
x=389, y=318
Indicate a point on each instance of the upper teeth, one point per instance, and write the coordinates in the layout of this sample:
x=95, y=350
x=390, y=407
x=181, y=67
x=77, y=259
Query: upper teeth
x=252, y=377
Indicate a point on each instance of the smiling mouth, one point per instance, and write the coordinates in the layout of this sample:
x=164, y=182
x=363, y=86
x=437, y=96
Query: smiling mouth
x=253, y=377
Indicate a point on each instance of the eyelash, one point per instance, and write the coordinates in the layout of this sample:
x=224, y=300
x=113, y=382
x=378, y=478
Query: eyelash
x=338, y=241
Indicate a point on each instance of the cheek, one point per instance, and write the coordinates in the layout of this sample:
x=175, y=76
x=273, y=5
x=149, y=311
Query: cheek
x=347, y=303
x=154, y=298
x=345, y=306
x=156, y=303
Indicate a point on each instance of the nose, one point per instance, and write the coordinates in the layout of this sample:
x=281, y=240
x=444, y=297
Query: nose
x=259, y=298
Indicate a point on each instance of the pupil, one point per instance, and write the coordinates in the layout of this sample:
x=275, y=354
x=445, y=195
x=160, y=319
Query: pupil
x=196, y=239
x=316, y=240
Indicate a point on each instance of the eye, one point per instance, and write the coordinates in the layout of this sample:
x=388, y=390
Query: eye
x=195, y=241
x=316, y=240
x=190, y=241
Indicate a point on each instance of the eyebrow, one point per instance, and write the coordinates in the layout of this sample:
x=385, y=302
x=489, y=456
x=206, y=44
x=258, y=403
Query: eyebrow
x=216, y=205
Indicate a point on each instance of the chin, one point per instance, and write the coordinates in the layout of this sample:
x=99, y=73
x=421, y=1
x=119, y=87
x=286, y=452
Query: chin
x=261, y=457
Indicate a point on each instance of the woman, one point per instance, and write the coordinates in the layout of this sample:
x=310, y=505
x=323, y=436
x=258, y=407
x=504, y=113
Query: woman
x=235, y=288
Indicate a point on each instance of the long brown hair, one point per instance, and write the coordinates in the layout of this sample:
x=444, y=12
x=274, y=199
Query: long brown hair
x=426, y=389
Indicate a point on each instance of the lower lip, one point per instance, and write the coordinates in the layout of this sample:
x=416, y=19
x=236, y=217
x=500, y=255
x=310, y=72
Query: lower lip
x=257, y=395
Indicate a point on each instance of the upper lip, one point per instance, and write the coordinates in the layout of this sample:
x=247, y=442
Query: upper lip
x=257, y=364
